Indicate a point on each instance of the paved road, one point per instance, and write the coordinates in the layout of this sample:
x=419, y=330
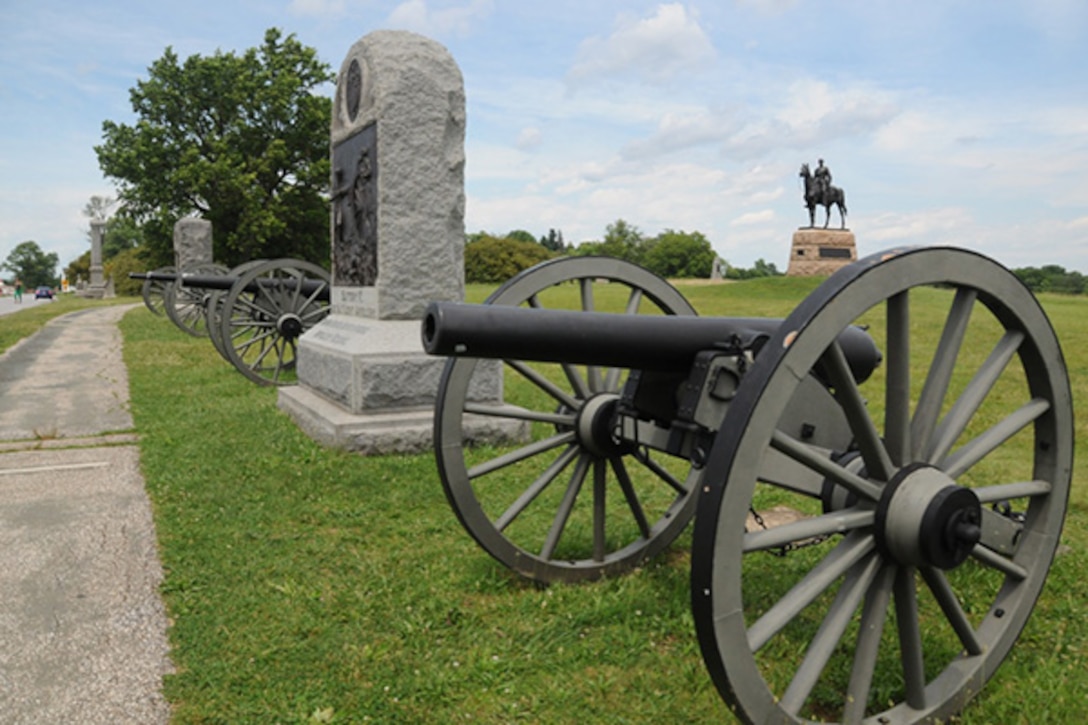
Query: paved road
x=82, y=626
x=8, y=305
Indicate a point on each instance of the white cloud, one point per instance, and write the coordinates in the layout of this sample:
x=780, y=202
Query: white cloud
x=751, y=218
x=813, y=114
x=416, y=15
x=316, y=8
x=529, y=138
x=653, y=49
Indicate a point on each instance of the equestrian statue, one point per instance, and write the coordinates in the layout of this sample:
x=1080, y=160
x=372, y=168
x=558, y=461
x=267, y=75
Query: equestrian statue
x=820, y=192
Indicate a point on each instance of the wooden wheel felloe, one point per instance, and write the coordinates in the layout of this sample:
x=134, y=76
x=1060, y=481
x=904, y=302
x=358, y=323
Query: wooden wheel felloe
x=186, y=306
x=154, y=292
x=266, y=310
x=909, y=574
x=571, y=503
x=214, y=308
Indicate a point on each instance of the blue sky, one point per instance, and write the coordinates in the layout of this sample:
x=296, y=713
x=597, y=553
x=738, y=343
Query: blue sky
x=960, y=123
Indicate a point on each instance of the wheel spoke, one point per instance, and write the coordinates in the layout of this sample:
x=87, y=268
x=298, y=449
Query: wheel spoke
x=593, y=373
x=953, y=611
x=992, y=559
x=968, y=403
x=980, y=447
x=1004, y=491
x=536, y=487
x=806, y=456
x=560, y=395
x=870, y=631
x=847, y=600
x=629, y=495
x=872, y=449
x=897, y=392
x=513, y=413
x=533, y=449
x=837, y=522
x=910, y=638
x=600, y=471
x=846, y=554
x=577, y=478
x=940, y=370
x=643, y=457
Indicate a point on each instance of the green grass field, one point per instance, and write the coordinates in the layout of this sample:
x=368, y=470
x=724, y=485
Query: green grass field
x=309, y=585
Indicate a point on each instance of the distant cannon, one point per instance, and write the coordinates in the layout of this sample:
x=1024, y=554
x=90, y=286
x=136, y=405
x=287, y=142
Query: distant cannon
x=253, y=315
x=933, y=485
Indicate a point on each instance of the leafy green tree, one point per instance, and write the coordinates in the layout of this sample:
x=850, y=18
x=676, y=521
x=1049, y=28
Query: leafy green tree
x=621, y=240
x=761, y=268
x=119, y=266
x=29, y=263
x=121, y=235
x=679, y=254
x=240, y=139
x=79, y=269
x=489, y=259
x=553, y=242
x=521, y=235
x=1052, y=278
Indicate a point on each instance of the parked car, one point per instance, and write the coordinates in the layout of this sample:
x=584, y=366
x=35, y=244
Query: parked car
x=43, y=292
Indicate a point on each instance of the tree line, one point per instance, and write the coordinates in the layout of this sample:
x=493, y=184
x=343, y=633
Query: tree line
x=672, y=253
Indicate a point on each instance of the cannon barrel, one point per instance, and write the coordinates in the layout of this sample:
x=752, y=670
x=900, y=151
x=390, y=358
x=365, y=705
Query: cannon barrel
x=666, y=343
x=225, y=282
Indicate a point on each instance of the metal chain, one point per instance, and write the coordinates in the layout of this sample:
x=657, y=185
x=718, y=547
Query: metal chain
x=781, y=551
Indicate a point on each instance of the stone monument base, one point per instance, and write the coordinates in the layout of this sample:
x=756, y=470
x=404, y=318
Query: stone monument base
x=821, y=252
x=367, y=386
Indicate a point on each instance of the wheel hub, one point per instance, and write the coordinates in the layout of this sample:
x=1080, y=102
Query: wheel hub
x=289, y=325
x=925, y=519
x=594, y=425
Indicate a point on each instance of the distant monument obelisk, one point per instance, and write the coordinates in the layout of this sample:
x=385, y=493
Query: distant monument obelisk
x=398, y=234
x=821, y=251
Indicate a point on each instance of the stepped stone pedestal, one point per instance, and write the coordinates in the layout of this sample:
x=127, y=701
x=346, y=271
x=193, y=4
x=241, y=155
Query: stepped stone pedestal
x=820, y=252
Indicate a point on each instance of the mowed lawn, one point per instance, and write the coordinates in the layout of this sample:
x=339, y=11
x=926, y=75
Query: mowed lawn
x=311, y=585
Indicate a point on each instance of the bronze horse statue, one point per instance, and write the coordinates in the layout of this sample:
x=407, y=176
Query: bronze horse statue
x=815, y=196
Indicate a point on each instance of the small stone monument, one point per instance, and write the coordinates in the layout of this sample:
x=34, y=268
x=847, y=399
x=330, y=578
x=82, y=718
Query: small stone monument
x=820, y=252
x=97, y=286
x=192, y=243
x=397, y=227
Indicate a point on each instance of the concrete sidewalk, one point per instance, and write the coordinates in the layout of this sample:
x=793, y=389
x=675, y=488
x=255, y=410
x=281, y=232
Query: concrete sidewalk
x=82, y=625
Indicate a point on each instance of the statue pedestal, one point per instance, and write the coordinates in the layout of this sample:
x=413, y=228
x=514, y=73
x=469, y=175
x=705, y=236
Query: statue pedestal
x=821, y=252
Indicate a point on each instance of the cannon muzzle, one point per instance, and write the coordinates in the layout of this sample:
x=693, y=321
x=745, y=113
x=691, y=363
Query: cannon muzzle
x=666, y=343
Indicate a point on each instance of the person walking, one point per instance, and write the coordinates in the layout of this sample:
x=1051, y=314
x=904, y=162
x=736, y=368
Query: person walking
x=18, y=290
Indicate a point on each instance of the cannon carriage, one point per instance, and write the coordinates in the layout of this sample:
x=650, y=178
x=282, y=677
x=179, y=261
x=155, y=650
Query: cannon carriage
x=253, y=314
x=878, y=492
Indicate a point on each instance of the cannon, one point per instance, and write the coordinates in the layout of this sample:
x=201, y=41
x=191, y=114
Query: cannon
x=253, y=315
x=878, y=480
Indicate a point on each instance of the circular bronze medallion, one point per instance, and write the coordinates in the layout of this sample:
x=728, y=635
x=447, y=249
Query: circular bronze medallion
x=354, y=90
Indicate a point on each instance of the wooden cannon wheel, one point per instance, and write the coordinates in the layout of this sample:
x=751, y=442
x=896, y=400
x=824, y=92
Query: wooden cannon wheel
x=186, y=306
x=154, y=292
x=215, y=304
x=897, y=593
x=264, y=313
x=566, y=505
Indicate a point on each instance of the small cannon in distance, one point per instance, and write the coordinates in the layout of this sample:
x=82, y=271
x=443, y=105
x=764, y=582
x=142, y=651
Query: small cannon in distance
x=934, y=484
x=253, y=315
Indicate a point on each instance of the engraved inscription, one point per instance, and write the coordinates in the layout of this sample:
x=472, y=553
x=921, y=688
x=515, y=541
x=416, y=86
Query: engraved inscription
x=355, y=210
